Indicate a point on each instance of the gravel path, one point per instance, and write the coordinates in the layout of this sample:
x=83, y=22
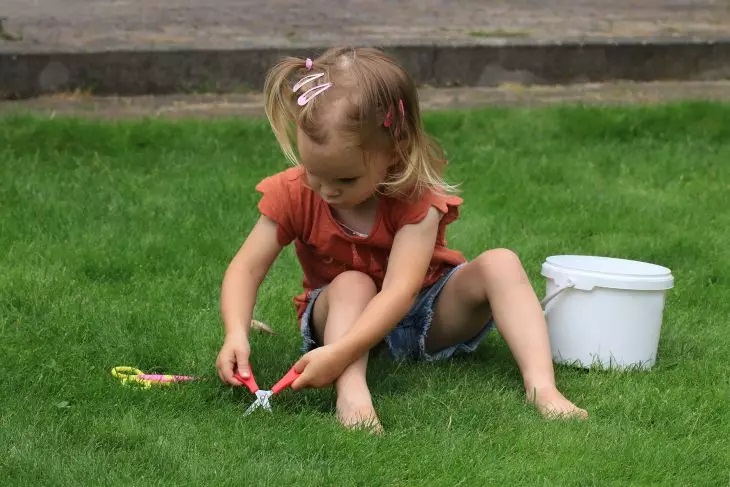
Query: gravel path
x=49, y=25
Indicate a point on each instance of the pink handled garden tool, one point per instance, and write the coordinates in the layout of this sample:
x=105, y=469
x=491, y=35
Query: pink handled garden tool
x=262, y=396
x=133, y=376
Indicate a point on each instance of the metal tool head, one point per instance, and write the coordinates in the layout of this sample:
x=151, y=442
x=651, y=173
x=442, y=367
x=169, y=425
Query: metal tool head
x=262, y=401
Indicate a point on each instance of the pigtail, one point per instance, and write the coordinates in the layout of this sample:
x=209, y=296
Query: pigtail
x=279, y=103
x=422, y=167
x=422, y=160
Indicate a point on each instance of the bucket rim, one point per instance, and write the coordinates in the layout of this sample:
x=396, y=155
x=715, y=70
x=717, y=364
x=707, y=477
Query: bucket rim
x=587, y=272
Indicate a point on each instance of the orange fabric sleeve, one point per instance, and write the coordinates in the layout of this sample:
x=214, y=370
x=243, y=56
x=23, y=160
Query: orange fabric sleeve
x=409, y=212
x=276, y=203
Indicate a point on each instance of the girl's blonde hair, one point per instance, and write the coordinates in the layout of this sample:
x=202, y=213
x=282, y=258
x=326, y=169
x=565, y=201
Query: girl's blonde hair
x=368, y=88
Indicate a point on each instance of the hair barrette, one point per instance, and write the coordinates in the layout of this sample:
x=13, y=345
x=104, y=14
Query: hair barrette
x=308, y=64
x=306, y=80
x=389, y=116
x=311, y=93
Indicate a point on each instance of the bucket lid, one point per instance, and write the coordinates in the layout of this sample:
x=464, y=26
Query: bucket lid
x=587, y=272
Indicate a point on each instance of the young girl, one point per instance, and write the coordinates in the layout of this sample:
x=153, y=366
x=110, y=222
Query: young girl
x=367, y=208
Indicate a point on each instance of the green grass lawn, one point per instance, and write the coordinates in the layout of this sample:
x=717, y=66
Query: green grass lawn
x=114, y=238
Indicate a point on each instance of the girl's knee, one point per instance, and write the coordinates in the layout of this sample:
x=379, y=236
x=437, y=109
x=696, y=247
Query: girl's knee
x=352, y=284
x=500, y=263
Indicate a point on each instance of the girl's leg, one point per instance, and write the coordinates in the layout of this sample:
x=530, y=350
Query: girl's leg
x=335, y=311
x=496, y=283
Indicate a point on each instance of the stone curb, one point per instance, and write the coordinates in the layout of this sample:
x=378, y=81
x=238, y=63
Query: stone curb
x=25, y=75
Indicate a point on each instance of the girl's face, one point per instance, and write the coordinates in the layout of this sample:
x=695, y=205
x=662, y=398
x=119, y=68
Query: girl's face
x=339, y=173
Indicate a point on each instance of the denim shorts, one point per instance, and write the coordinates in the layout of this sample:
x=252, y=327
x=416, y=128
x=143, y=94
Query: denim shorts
x=408, y=339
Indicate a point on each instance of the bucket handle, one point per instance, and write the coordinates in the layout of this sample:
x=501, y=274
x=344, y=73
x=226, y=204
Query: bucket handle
x=568, y=284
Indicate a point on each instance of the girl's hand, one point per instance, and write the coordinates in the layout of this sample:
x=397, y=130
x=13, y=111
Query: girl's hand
x=233, y=358
x=320, y=367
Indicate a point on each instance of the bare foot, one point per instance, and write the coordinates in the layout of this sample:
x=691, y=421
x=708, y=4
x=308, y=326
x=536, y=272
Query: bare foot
x=359, y=415
x=553, y=405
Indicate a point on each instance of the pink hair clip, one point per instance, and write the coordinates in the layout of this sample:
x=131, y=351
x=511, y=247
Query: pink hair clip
x=311, y=93
x=389, y=116
x=306, y=80
x=308, y=64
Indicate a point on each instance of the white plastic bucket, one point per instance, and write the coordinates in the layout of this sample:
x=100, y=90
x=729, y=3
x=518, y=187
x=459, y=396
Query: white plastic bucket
x=604, y=311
